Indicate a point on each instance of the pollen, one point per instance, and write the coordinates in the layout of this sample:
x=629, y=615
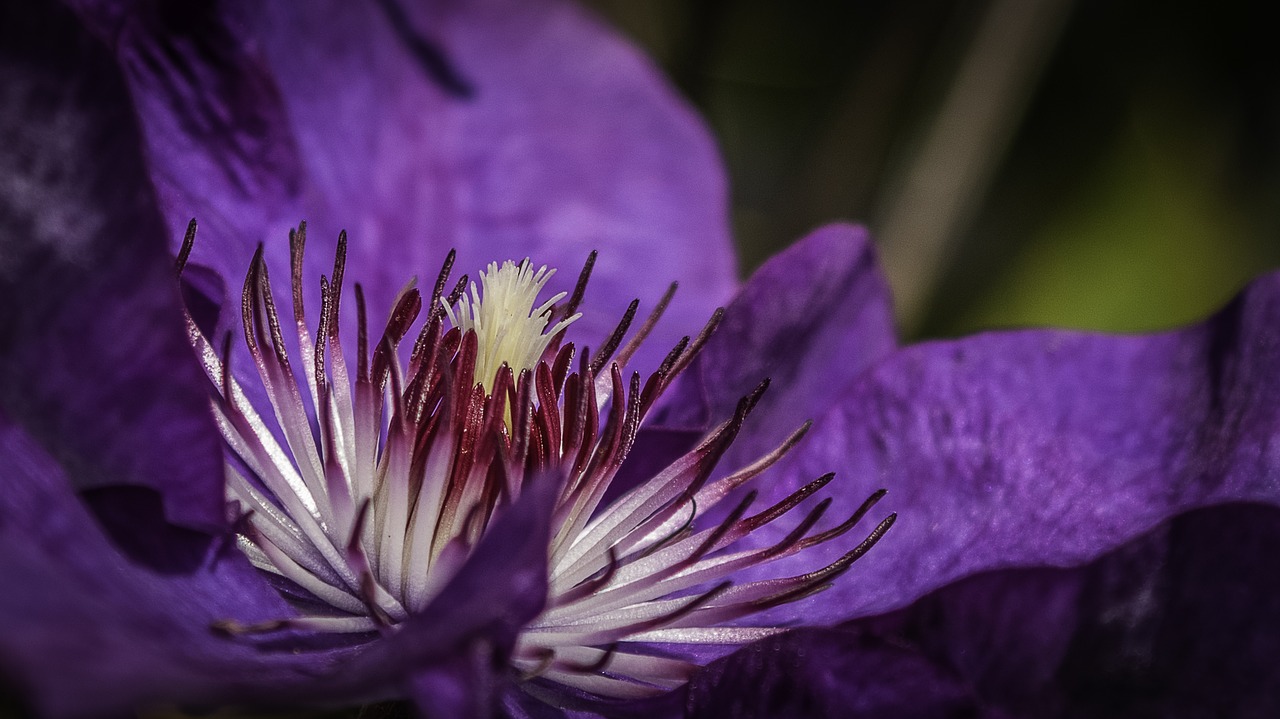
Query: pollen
x=368, y=492
x=509, y=329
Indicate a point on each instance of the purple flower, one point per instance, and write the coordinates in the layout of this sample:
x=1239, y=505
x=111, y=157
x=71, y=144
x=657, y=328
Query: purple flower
x=1041, y=566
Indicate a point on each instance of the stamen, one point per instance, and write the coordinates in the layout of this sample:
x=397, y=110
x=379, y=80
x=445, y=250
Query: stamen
x=639, y=337
x=184, y=252
x=381, y=485
x=580, y=287
x=615, y=338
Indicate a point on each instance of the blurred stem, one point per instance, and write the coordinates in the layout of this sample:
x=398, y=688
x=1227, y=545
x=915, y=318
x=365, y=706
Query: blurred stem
x=940, y=186
x=699, y=46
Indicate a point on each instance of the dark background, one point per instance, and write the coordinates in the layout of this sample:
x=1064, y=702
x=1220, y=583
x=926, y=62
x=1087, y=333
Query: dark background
x=1091, y=164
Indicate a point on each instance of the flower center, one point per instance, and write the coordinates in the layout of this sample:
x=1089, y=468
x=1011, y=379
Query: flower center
x=378, y=483
x=509, y=329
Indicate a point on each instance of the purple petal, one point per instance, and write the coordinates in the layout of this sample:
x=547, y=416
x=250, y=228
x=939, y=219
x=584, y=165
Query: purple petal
x=93, y=360
x=810, y=320
x=1046, y=448
x=827, y=673
x=504, y=129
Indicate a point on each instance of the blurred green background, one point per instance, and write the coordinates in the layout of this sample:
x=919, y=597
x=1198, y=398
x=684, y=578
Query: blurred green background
x=1101, y=165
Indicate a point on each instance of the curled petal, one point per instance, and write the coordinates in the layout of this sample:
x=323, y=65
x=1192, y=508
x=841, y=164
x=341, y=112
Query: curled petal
x=810, y=319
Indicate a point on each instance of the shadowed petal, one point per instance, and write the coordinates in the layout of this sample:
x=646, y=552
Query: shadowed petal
x=93, y=361
x=828, y=673
x=1178, y=622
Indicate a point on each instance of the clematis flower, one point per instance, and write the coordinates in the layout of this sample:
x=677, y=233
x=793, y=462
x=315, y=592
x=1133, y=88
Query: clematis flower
x=365, y=516
x=1042, y=565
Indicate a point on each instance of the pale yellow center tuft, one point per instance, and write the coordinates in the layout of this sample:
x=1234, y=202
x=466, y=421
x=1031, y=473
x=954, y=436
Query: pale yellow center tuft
x=509, y=328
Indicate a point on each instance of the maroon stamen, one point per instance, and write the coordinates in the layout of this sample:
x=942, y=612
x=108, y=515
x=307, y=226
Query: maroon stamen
x=184, y=252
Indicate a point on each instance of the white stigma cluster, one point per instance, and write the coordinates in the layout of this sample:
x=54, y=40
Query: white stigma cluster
x=509, y=329
x=379, y=482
